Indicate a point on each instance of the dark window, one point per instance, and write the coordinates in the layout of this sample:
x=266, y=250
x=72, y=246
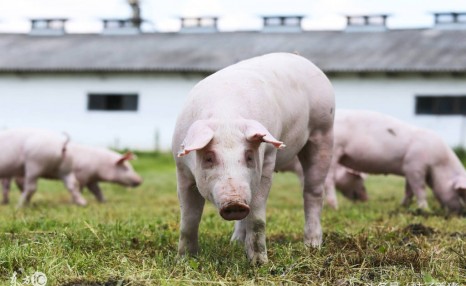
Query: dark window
x=112, y=102
x=441, y=105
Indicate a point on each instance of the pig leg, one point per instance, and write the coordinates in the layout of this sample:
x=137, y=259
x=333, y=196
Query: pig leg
x=191, y=206
x=6, y=190
x=239, y=235
x=254, y=223
x=19, y=181
x=330, y=192
x=315, y=157
x=71, y=183
x=418, y=186
x=95, y=189
x=30, y=187
x=408, y=199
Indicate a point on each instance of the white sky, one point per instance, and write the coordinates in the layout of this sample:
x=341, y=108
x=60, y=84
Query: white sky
x=85, y=15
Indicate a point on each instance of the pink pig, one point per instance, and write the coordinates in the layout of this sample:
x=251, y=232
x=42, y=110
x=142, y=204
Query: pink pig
x=372, y=142
x=227, y=140
x=91, y=165
x=349, y=182
x=33, y=153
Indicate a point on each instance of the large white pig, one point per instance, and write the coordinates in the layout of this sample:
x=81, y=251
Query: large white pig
x=372, y=142
x=349, y=182
x=92, y=165
x=32, y=153
x=227, y=138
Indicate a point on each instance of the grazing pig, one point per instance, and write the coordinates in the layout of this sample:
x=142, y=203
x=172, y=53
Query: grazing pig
x=349, y=182
x=275, y=99
x=372, y=142
x=32, y=153
x=92, y=165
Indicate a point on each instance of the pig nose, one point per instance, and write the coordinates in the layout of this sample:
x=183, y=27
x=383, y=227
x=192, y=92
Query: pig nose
x=234, y=211
x=137, y=182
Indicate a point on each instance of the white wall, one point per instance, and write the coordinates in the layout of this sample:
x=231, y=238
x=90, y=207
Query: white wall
x=396, y=96
x=59, y=102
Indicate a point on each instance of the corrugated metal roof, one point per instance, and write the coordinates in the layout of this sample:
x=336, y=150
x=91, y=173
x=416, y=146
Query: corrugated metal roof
x=417, y=50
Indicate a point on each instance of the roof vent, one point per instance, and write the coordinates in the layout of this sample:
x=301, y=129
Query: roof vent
x=47, y=27
x=121, y=26
x=366, y=23
x=450, y=20
x=286, y=24
x=199, y=24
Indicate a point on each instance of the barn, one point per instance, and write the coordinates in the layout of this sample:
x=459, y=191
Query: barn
x=123, y=88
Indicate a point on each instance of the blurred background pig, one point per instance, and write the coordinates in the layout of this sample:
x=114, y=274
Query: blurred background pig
x=91, y=165
x=34, y=153
x=376, y=143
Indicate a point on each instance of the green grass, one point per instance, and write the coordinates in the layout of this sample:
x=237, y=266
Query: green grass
x=132, y=239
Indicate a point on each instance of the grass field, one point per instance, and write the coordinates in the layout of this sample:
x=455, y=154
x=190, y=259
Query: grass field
x=132, y=239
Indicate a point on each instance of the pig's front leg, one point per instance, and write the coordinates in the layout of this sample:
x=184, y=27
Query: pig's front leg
x=191, y=207
x=254, y=223
x=6, y=190
x=315, y=158
x=72, y=184
x=408, y=198
x=416, y=181
x=239, y=234
x=95, y=189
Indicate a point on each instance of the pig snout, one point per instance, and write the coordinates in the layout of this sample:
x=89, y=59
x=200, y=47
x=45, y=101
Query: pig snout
x=234, y=211
x=232, y=200
x=136, y=181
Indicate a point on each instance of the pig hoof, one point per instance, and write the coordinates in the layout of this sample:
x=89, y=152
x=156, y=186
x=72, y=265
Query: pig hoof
x=315, y=241
x=81, y=202
x=423, y=205
x=259, y=259
x=333, y=203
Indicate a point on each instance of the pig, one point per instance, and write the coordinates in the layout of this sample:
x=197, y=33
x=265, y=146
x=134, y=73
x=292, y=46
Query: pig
x=34, y=153
x=375, y=143
x=349, y=182
x=92, y=165
x=227, y=143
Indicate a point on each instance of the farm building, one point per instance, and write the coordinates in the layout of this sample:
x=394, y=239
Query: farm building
x=124, y=88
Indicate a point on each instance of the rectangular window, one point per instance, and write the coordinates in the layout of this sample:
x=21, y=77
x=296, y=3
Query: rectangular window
x=441, y=105
x=112, y=102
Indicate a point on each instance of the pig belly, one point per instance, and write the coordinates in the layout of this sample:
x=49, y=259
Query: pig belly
x=372, y=164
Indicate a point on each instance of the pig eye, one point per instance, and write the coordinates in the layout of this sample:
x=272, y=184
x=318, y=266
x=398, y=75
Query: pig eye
x=249, y=157
x=208, y=160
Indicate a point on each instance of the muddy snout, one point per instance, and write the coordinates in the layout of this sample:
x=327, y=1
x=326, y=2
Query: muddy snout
x=234, y=211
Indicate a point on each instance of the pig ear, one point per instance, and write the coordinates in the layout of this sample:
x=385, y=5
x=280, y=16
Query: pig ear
x=126, y=157
x=199, y=135
x=256, y=132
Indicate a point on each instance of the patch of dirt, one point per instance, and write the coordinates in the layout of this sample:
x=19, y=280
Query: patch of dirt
x=111, y=282
x=419, y=229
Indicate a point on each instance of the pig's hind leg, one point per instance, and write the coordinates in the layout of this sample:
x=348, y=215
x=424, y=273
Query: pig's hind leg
x=315, y=158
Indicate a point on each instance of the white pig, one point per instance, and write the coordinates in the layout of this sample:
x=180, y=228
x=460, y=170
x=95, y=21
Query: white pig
x=33, y=153
x=219, y=153
x=92, y=165
x=372, y=142
x=349, y=182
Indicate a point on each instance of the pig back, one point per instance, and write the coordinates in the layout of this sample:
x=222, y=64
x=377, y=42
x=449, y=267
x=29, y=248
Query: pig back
x=284, y=92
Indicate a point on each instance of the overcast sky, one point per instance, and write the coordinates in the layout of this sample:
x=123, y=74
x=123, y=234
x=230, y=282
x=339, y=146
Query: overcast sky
x=85, y=15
